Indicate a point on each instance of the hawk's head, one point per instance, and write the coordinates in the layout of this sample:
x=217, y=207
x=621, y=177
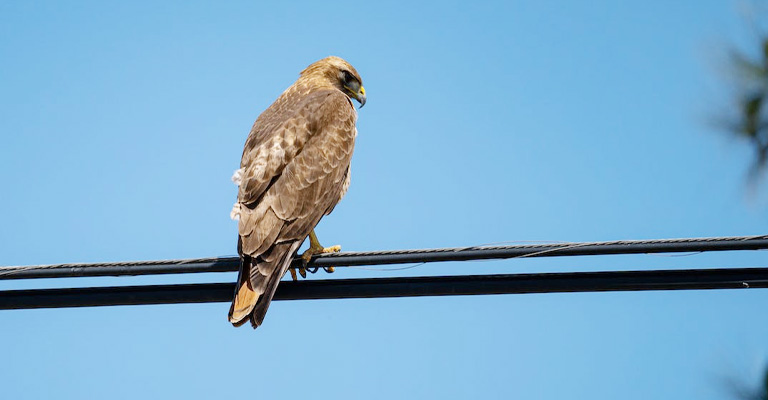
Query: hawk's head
x=335, y=72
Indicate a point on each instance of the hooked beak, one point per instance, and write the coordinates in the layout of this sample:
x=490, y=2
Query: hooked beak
x=360, y=96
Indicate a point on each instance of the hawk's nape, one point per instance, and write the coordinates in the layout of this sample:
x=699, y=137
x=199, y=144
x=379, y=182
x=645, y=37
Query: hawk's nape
x=295, y=168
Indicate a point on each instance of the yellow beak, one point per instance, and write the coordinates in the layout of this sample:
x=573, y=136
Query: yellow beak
x=358, y=94
x=361, y=96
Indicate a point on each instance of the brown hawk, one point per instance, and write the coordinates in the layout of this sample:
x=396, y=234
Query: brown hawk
x=295, y=168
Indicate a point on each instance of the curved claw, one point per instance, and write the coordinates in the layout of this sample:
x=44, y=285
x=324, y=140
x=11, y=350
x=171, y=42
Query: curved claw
x=316, y=248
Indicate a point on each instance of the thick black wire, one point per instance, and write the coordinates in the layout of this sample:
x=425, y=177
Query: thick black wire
x=227, y=264
x=735, y=278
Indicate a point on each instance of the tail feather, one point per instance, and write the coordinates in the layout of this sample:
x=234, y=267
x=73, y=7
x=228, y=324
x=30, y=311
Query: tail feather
x=273, y=279
x=245, y=297
x=260, y=309
x=257, y=282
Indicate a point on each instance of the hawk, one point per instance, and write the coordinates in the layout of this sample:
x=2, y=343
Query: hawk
x=295, y=169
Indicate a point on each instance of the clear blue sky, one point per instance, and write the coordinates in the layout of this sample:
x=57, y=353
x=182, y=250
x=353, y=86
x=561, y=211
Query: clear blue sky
x=507, y=122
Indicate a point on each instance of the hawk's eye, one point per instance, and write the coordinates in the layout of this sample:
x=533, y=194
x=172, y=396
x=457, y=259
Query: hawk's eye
x=348, y=77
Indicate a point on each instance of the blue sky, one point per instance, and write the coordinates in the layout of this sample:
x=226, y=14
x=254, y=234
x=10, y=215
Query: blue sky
x=501, y=122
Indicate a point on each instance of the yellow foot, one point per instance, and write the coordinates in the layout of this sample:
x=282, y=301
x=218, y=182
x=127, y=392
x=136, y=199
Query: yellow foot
x=302, y=272
x=306, y=257
x=315, y=248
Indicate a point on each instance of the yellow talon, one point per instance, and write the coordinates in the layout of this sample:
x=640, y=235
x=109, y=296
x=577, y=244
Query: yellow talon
x=316, y=248
x=332, y=249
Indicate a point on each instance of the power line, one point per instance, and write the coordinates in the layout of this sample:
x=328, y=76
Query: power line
x=397, y=287
x=735, y=278
x=227, y=264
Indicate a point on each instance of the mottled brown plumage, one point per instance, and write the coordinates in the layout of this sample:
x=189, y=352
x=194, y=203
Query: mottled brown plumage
x=295, y=168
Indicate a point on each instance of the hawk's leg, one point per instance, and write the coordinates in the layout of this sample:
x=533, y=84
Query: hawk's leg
x=316, y=248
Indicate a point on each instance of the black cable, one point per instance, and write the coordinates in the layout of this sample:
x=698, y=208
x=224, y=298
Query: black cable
x=226, y=264
x=736, y=278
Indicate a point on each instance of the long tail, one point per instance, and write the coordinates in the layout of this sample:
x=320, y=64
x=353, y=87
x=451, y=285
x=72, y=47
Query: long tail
x=257, y=282
x=245, y=297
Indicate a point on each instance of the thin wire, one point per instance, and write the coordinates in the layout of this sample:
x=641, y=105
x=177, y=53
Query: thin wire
x=479, y=246
x=693, y=253
x=388, y=269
